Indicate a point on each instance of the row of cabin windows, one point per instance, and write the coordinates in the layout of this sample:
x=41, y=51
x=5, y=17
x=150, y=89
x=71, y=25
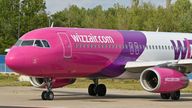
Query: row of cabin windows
x=130, y=46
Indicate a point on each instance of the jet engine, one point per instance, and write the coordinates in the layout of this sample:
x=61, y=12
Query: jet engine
x=162, y=80
x=56, y=83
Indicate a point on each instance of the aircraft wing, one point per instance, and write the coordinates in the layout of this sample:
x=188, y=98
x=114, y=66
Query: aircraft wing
x=139, y=66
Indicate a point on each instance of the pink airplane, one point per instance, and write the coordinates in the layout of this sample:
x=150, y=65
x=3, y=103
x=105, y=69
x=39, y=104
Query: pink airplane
x=55, y=57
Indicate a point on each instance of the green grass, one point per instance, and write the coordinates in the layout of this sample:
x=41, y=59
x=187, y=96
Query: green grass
x=11, y=80
x=110, y=83
x=123, y=84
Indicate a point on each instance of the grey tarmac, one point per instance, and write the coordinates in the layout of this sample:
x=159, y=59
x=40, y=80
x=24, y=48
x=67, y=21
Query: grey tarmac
x=29, y=97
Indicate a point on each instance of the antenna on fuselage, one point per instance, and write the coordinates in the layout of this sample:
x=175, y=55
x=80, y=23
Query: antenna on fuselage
x=157, y=29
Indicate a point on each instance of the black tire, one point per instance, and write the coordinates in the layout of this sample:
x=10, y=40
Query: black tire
x=92, y=90
x=175, y=95
x=44, y=95
x=165, y=95
x=47, y=95
x=101, y=90
x=50, y=95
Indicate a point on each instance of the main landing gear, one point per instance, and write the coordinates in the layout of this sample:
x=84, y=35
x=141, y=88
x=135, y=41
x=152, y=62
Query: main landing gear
x=48, y=95
x=97, y=89
x=173, y=95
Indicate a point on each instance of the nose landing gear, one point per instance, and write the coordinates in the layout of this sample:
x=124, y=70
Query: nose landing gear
x=48, y=95
x=97, y=89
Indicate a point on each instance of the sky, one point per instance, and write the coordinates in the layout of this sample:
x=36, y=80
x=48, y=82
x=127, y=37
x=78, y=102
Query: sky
x=58, y=5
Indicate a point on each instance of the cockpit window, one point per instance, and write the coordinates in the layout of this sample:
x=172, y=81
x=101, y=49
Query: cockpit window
x=46, y=44
x=38, y=43
x=27, y=43
x=18, y=43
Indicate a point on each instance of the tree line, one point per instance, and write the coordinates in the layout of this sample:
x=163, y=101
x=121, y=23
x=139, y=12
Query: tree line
x=20, y=16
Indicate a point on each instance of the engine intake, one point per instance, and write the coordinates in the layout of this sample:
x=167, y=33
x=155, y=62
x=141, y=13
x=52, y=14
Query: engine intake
x=161, y=80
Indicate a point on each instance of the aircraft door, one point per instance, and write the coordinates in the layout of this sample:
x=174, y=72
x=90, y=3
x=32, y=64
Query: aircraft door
x=66, y=44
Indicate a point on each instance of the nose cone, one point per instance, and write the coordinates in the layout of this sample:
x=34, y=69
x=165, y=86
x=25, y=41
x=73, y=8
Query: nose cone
x=14, y=61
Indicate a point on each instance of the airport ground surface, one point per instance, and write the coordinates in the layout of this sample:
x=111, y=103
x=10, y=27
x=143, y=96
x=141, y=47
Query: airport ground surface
x=29, y=97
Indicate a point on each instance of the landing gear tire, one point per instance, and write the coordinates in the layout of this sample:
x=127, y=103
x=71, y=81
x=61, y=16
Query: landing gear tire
x=165, y=95
x=47, y=95
x=175, y=95
x=101, y=90
x=92, y=90
x=96, y=89
x=44, y=95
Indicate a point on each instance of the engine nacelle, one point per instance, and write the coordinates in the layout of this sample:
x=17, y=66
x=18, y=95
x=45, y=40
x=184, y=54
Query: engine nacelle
x=162, y=80
x=56, y=83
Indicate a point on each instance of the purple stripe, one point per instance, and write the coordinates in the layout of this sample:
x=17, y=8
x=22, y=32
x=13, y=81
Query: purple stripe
x=130, y=38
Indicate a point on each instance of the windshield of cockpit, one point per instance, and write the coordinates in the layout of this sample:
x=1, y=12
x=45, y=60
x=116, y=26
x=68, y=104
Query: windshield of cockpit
x=37, y=43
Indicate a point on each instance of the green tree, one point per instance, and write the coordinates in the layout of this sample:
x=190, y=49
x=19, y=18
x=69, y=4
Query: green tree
x=32, y=15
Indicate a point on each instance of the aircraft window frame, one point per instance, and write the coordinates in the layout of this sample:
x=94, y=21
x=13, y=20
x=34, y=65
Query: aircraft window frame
x=109, y=46
x=162, y=47
x=165, y=47
x=153, y=47
x=87, y=45
x=33, y=41
x=42, y=41
x=94, y=46
x=168, y=47
x=156, y=46
x=159, y=47
x=18, y=43
x=150, y=47
x=91, y=45
x=34, y=44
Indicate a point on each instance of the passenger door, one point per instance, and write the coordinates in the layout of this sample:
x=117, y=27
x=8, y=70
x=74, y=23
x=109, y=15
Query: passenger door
x=66, y=44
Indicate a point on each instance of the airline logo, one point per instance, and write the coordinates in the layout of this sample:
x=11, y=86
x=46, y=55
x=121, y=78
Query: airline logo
x=183, y=50
x=172, y=79
x=92, y=38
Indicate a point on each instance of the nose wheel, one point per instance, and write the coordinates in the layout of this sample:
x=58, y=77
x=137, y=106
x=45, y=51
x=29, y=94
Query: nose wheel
x=48, y=95
x=97, y=89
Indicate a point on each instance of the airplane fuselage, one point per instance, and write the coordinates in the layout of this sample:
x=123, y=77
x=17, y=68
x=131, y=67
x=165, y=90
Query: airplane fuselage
x=94, y=52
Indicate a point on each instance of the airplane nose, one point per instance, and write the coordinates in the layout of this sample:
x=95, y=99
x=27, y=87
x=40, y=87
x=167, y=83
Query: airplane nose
x=14, y=61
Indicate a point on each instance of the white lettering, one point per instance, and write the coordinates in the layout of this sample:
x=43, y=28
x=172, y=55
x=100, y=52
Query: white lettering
x=172, y=79
x=92, y=39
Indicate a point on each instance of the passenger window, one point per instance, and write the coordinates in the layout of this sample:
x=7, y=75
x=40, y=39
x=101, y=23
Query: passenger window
x=91, y=46
x=166, y=47
x=38, y=43
x=149, y=46
x=163, y=47
x=27, y=43
x=156, y=47
x=159, y=47
x=46, y=44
